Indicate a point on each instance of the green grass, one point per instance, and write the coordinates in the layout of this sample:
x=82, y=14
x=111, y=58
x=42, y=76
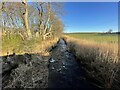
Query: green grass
x=16, y=43
x=99, y=37
x=11, y=42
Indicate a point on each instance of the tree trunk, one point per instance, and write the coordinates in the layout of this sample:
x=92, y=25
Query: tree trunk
x=47, y=21
x=2, y=10
x=26, y=18
x=41, y=11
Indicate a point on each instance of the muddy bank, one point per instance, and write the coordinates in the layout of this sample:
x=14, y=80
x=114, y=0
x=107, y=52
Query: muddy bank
x=58, y=70
x=31, y=71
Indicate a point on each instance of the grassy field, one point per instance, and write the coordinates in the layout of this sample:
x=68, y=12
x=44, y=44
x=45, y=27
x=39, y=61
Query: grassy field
x=98, y=54
x=99, y=37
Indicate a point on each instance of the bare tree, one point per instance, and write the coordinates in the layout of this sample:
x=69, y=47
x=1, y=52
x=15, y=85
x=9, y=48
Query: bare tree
x=51, y=17
x=44, y=15
x=57, y=28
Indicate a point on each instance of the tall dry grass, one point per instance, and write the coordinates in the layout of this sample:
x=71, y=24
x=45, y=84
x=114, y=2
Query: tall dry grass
x=100, y=60
x=44, y=46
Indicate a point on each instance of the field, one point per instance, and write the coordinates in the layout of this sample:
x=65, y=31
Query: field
x=99, y=37
x=98, y=54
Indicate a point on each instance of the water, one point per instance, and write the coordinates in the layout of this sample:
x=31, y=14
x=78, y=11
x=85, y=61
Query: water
x=66, y=73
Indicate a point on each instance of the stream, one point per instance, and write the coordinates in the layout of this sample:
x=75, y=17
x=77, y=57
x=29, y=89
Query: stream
x=64, y=71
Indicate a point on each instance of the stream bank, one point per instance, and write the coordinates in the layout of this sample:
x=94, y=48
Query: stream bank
x=58, y=70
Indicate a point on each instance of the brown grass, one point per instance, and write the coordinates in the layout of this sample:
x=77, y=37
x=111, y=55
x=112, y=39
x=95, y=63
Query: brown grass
x=44, y=46
x=100, y=60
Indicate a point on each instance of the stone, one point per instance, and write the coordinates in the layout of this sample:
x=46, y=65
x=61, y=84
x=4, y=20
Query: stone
x=52, y=60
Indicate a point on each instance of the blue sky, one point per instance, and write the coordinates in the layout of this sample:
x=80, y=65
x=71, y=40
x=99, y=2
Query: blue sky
x=90, y=16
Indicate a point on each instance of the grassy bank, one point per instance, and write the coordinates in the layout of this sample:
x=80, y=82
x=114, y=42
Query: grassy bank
x=99, y=59
x=14, y=43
